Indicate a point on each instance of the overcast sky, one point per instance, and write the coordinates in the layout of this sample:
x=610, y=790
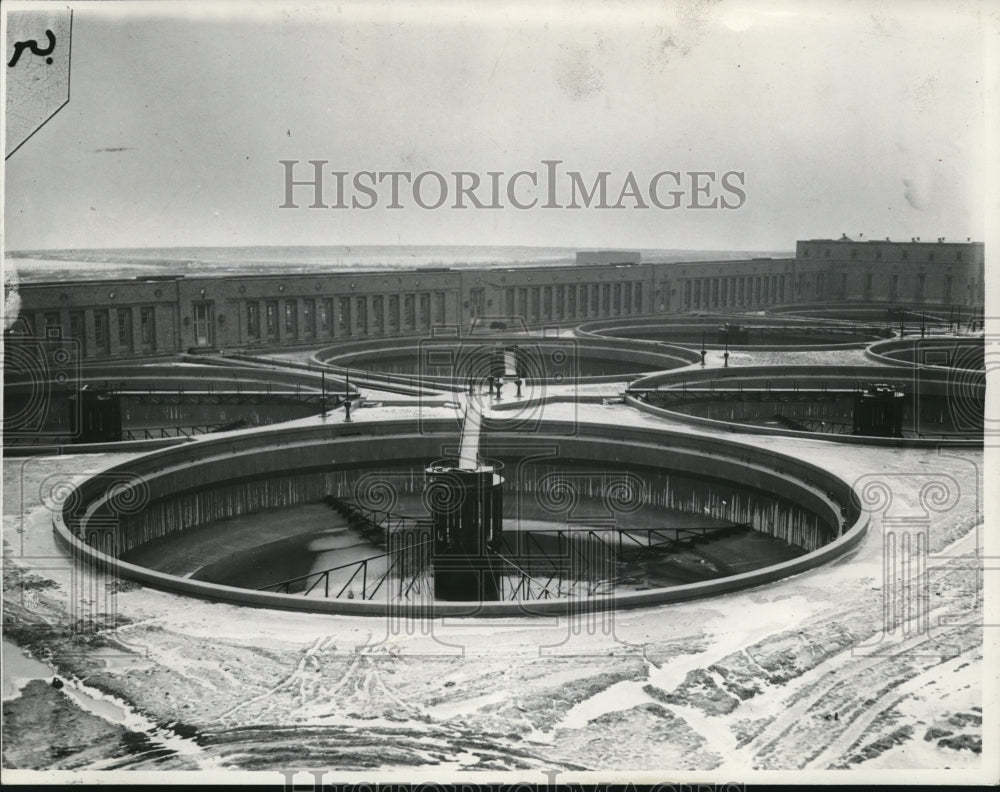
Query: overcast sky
x=844, y=117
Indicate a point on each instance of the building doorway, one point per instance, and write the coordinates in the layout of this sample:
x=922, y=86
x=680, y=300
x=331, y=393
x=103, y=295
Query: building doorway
x=203, y=324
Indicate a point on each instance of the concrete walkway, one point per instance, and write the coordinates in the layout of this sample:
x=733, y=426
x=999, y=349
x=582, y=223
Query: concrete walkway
x=468, y=455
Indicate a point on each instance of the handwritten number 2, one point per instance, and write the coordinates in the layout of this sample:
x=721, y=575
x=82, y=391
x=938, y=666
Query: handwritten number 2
x=31, y=44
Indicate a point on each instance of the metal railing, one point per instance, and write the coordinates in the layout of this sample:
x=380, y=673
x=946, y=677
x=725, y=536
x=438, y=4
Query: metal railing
x=159, y=432
x=509, y=591
x=622, y=542
x=302, y=584
x=741, y=394
x=377, y=525
x=812, y=425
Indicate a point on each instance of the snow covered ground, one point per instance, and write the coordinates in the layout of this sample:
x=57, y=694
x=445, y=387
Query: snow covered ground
x=805, y=673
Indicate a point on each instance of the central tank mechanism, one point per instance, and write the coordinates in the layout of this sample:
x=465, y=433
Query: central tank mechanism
x=733, y=334
x=465, y=498
x=878, y=411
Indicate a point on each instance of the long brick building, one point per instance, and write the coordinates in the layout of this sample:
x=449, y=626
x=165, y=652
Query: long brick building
x=149, y=316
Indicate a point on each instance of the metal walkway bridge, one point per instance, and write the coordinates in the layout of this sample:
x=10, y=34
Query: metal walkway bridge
x=531, y=564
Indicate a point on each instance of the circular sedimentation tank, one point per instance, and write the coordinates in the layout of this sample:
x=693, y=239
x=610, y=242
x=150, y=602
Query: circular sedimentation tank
x=453, y=361
x=340, y=518
x=94, y=406
x=742, y=332
x=961, y=354
x=936, y=406
x=887, y=314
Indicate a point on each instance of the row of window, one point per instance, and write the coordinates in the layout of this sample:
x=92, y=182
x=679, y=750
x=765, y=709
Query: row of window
x=746, y=291
x=893, y=293
x=736, y=292
x=572, y=301
x=342, y=316
x=904, y=254
x=107, y=325
x=132, y=329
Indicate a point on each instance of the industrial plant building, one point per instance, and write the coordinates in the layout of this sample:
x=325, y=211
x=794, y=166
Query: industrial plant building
x=163, y=315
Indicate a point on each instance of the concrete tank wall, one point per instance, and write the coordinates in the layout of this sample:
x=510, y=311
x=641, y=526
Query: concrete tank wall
x=967, y=354
x=765, y=334
x=765, y=510
x=295, y=465
x=562, y=359
x=929, y=392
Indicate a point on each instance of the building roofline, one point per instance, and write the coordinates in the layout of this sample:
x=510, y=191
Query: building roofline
x=890, y=242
